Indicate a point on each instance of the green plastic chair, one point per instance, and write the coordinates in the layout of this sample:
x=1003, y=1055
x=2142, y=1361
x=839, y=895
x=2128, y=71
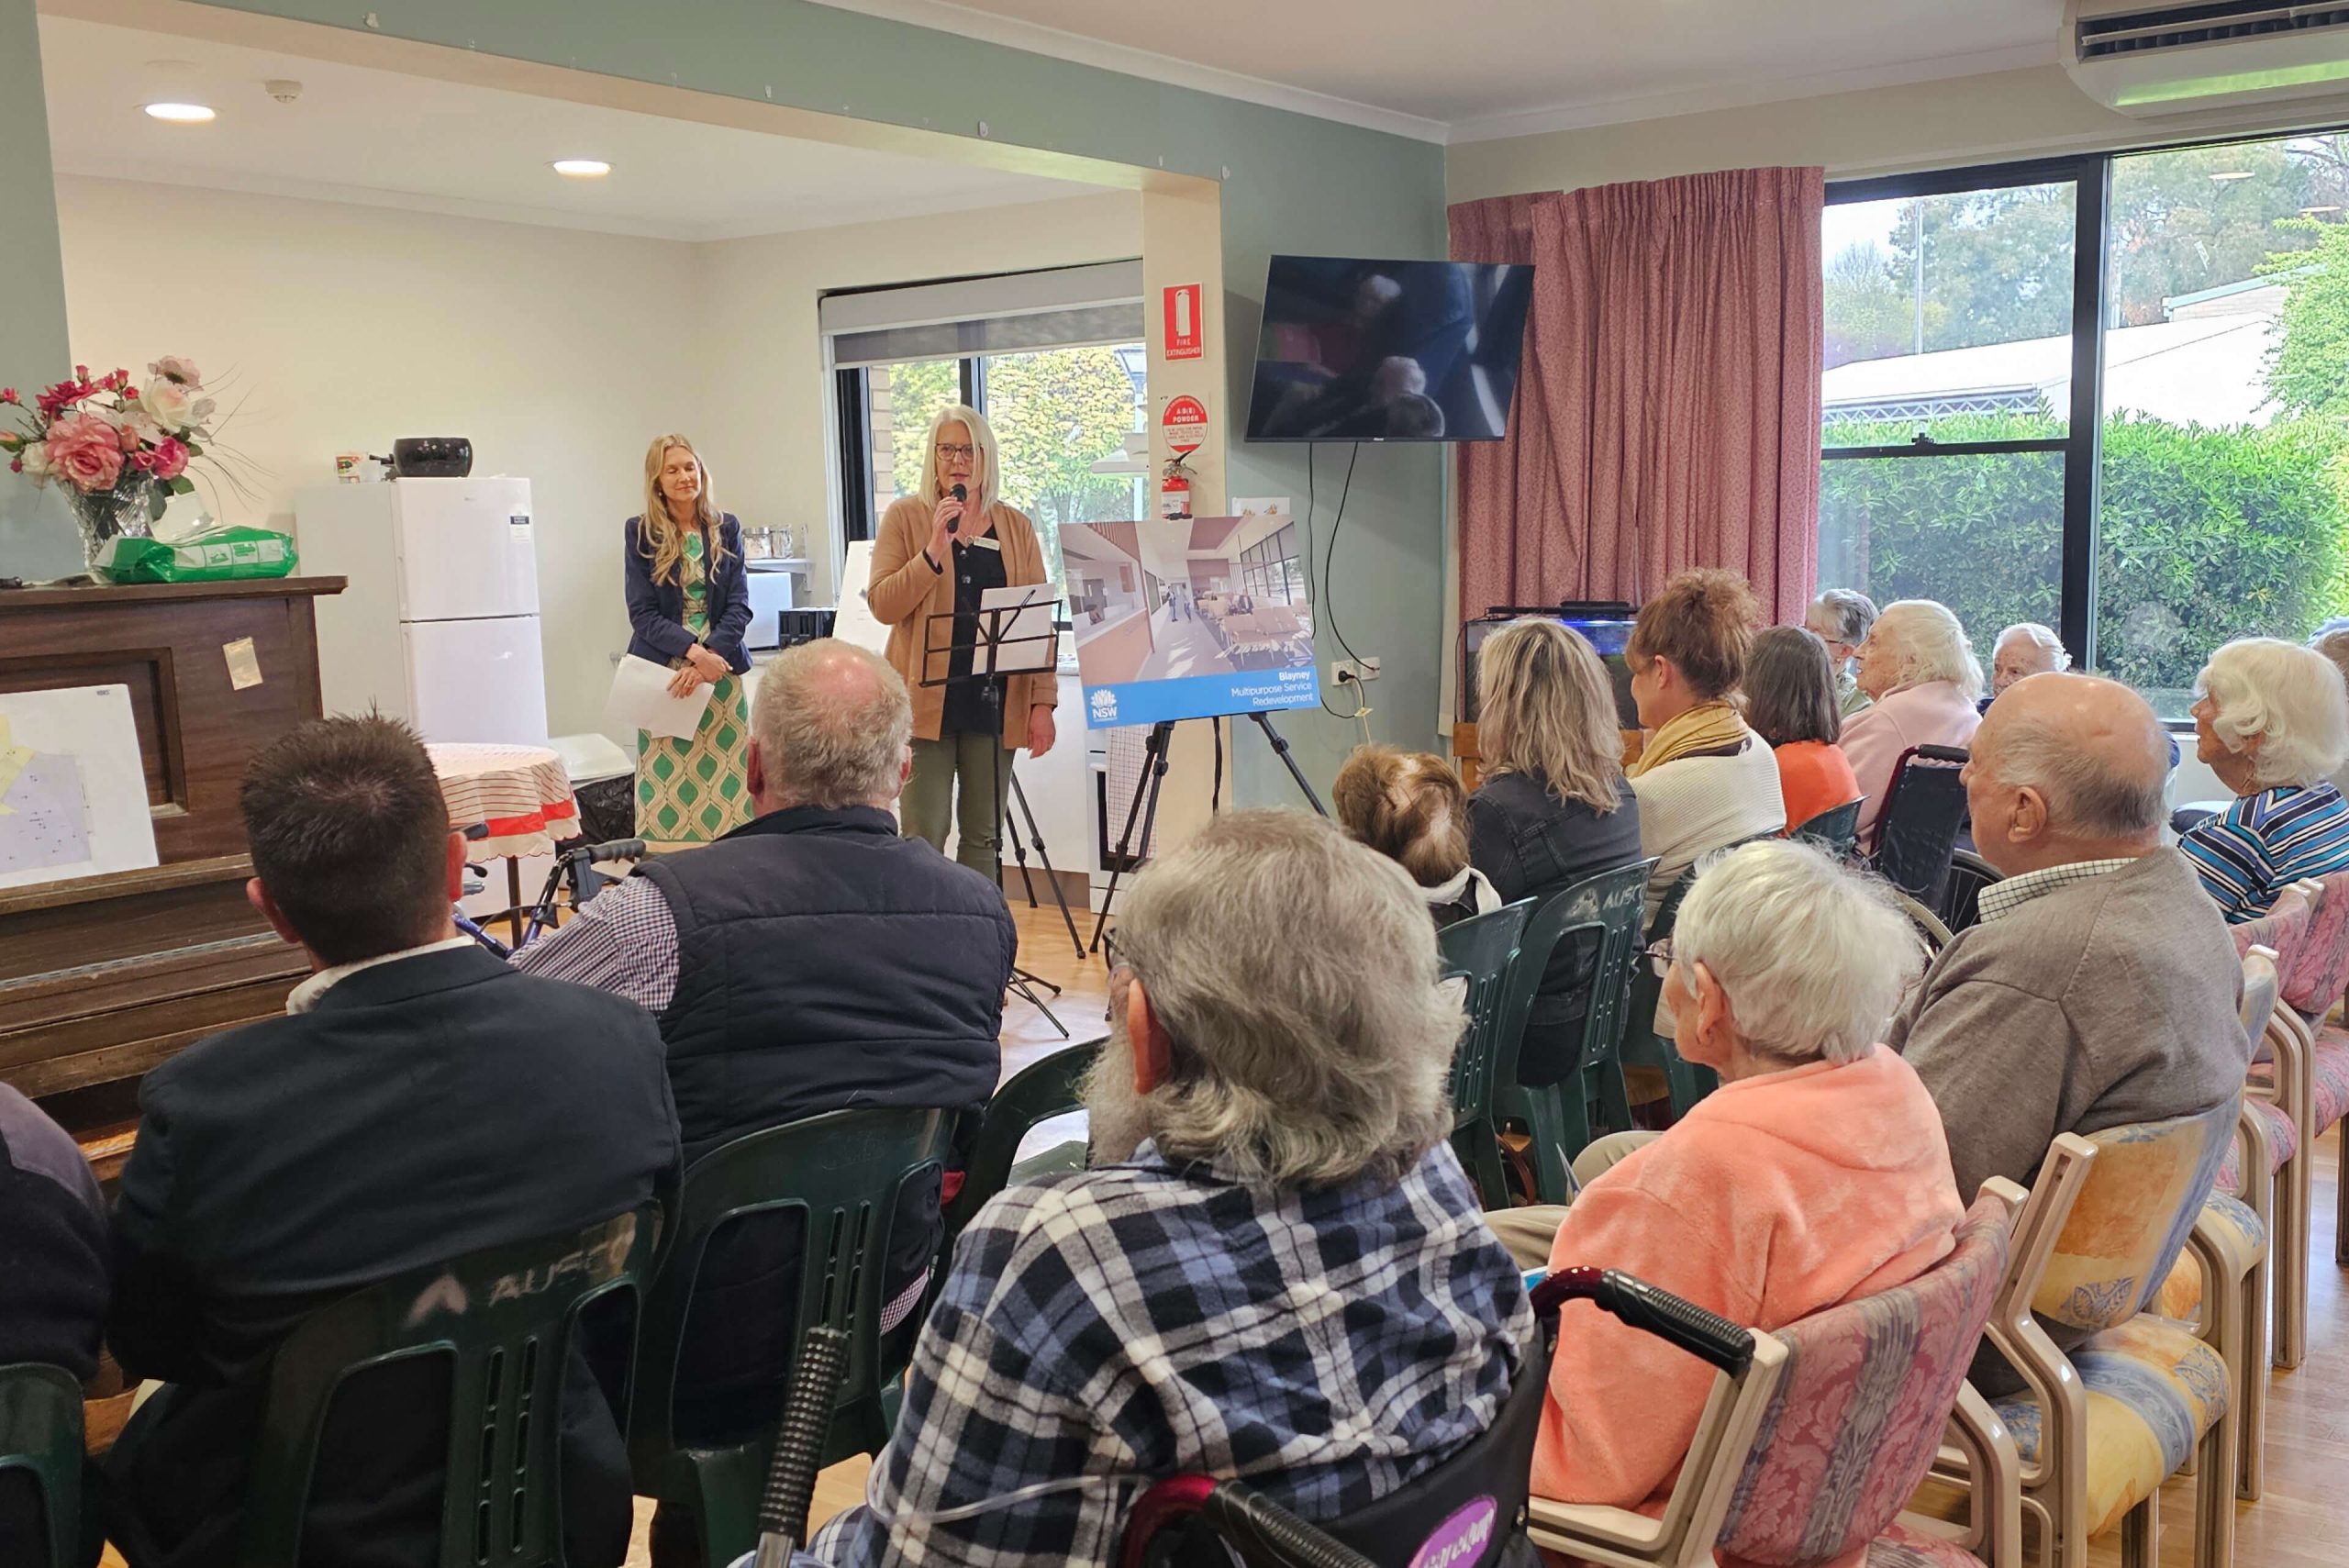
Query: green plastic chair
x=1036, y=1092
x=1642, y=1047
x=40, y=1431
x=504, y=1318
x=842, y=1171
x=1558, y=1115
x=1479, y=951
x=1837, y=830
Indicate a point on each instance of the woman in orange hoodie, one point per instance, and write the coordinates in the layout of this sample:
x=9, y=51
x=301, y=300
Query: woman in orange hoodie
x=1815, y=1174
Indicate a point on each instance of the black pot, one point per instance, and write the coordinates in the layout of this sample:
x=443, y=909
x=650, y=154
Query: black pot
x=432, y=457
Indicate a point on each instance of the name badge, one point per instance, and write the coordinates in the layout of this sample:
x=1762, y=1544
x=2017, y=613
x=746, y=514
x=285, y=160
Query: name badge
x=994, y=544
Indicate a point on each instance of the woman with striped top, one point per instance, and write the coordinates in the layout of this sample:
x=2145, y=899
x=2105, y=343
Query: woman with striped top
x=2272, y=720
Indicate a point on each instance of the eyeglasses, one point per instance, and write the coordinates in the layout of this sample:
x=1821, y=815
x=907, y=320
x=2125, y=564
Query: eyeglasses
x=952, y=453
x=1659, y=956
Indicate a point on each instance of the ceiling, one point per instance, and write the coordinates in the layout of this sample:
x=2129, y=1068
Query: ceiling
x=384, y=139
x=1510, y=67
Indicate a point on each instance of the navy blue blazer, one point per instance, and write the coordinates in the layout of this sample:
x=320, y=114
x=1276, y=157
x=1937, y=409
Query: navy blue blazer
x=656, y=611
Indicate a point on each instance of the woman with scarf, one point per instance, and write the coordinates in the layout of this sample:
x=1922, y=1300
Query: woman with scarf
x=1704, y=780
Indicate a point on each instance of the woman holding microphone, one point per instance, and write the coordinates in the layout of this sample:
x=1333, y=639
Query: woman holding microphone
x=940, y=550
x=688, y=608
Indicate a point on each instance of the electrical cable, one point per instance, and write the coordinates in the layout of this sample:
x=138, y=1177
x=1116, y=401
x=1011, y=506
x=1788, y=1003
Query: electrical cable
x=1361, y=698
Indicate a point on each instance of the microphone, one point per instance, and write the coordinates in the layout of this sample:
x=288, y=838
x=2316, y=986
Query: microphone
x=959, y=494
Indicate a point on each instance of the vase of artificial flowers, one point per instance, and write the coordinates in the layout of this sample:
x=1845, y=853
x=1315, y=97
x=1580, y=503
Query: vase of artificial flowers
x=119, y=452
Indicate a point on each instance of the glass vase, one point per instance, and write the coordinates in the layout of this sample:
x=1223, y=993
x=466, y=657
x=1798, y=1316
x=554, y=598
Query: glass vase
x=105, y=515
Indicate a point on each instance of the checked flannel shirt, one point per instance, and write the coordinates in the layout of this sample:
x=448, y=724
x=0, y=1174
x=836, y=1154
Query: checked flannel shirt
x=1111, y=1326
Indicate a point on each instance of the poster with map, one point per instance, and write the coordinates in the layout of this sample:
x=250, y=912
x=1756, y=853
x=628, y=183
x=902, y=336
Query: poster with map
x=72, y=793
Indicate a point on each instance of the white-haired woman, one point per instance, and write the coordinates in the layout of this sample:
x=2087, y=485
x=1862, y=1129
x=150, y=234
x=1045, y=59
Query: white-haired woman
x=1922, y=682
x=2271, y=719
x=1818, y=1173
x=940, y=549
x=2024, y=650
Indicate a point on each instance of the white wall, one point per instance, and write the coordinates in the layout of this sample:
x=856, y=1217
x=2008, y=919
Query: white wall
x=328, y=327
x=766, y=430
x=332, y=328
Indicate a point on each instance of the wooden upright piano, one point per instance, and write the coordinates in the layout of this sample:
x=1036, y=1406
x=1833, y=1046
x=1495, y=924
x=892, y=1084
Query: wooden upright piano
x=103, y=977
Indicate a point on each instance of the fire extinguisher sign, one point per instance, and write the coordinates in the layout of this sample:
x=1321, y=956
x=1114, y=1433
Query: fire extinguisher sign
x=1186, y=423
x=1183, y=305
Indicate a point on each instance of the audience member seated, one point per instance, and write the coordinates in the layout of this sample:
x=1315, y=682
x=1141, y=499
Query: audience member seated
x=1815, y=1174
x=1790, y=702
x=810, y=961
x=1924, y=681
x=1842, y=619
x=1554, y=809
x=2023, y=650
x=419, y=1101
x=1408, y=805
x=53, y=1237
x=1274, y=1270
x=2099, y=987
x=1705, y=780
x=2334, y=643
x=2272, y=720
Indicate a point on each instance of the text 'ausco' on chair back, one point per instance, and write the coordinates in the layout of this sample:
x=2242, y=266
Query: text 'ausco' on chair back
x=504, y=1318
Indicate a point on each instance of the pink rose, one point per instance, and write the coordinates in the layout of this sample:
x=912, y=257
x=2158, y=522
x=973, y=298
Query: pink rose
x=86, y=451
x=169, y=458
x=172, y=368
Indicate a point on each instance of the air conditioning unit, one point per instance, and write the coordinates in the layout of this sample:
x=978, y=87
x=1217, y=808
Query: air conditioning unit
x=2152, y=58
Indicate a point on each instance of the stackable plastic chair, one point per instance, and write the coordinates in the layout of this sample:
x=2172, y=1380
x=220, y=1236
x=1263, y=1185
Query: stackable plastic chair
x=504, y=1319
x=1836, y=829
x=1559, y=1117
x=1048, y=1088
x=842, y=1172
x=40, y=1435
x=1478, y=953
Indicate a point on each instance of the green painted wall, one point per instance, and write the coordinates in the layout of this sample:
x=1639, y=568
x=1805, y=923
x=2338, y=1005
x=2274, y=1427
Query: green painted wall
x=37, y=538
x=1294, y=184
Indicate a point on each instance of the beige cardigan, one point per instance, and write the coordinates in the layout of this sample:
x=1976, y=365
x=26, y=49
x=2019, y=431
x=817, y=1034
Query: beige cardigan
x=905, y=593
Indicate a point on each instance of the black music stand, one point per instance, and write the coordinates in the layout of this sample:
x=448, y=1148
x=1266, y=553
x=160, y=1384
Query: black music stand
x=986, y=651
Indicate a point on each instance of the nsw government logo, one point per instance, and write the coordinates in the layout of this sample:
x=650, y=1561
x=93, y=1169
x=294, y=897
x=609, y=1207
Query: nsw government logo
x=1105, y=703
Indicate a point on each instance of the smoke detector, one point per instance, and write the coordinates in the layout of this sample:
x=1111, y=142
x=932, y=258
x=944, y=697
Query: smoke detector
x=285, y=89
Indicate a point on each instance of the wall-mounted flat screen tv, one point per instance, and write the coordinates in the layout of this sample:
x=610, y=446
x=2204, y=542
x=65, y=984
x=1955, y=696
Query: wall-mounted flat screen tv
x=1365, y=351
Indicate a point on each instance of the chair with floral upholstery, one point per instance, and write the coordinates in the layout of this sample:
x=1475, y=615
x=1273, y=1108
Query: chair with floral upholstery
x=1869, y=1392
x=2231, y=1244
x=2279, y=1096
x=2100, y=1429
x=2314, y=976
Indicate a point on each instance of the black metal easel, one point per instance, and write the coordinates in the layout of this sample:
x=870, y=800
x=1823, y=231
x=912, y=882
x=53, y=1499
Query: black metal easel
x=988, y=639
x=1144, y=805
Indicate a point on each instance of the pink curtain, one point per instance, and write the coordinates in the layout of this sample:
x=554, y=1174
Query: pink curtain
x=1667, y=411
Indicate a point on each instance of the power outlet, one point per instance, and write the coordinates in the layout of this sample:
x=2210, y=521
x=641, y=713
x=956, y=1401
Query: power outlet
x=1346, y=670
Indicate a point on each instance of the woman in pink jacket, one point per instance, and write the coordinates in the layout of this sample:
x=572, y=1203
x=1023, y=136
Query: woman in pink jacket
x=1815, y=1174
x=1924, y=681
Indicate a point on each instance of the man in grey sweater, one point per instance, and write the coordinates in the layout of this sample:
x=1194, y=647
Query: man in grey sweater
x=2099, y=987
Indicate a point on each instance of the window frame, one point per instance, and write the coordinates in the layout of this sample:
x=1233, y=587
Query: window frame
x=2090, y=176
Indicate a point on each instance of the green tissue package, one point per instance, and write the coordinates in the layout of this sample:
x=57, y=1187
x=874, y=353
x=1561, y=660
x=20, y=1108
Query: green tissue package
x=220, y=556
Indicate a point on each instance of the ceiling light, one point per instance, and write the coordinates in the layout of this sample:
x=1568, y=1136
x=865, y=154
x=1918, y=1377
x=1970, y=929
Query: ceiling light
x=180, y=114
x=581, y=168
x=2224, y=176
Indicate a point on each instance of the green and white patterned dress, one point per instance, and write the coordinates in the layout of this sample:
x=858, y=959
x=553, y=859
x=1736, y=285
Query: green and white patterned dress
x=692, y=790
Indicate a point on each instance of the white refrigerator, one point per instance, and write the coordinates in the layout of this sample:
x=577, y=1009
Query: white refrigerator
x=439, y=625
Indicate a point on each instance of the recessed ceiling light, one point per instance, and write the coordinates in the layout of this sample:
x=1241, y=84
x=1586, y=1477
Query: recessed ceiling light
x=581, y=168
x=181, y=114
x=2225, y=175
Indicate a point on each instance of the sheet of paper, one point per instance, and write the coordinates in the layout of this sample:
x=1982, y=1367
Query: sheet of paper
x=640, y=700
x=72, y=790
x=855, y=621
x=1023, y=638
x=244, y=664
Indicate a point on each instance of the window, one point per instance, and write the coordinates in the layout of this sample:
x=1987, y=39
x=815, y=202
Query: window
x=1270, y=571
x=1949, y=416
x=2161, y=475
x=1053, y=359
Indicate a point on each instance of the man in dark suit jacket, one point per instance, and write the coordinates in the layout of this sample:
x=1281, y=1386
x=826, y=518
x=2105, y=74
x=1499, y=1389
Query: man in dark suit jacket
x=419, y=1100
x=811, y=960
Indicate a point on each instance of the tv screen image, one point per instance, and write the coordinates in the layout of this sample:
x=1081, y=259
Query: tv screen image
x=1369, y=350
x=1608, y=638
